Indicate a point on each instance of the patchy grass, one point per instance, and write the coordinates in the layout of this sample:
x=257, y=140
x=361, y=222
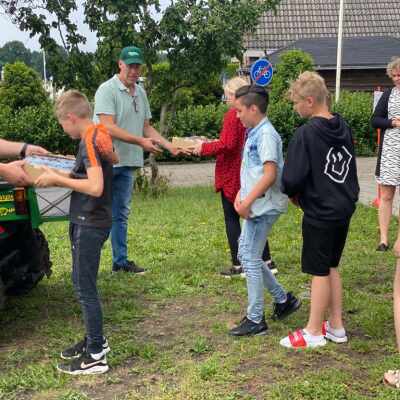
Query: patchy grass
x=168, y=329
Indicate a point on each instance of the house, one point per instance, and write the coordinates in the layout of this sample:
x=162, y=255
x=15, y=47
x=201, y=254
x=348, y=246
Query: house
x=364, y=60
x=310, y=22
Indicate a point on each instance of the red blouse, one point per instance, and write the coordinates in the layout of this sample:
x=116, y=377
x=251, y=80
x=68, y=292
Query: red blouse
x=228, y=149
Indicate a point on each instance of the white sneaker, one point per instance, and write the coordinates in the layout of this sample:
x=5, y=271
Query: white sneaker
x=327, y=331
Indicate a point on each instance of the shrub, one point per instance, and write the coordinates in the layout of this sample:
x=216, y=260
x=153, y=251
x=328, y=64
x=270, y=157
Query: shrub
x=284, y=119
x=21, y=87
x=291, y=64
x=198, y=121
x=356, y=109
x=36, y=125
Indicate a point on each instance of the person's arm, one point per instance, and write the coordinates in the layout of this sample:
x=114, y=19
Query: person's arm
x=115, y=131
x=380, y=118
x=92, y=185
x=296, y=168
x=267, y=180
x=14, y=174
x=150, y=132
x=229, y=139
x=13, y=149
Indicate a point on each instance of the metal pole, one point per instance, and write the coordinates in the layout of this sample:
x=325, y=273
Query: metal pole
x=339, y=50
x=44, y=68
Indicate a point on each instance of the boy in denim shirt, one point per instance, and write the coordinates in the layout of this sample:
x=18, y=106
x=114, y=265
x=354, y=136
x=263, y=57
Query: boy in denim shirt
x=260, y=202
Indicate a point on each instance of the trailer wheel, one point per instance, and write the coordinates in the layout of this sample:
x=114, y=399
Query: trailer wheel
x=26, y=261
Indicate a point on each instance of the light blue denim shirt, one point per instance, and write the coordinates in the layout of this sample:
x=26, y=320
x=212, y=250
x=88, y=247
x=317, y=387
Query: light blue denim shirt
x=263, y=144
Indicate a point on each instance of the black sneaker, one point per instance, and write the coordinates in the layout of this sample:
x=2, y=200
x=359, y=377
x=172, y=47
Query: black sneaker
x=130, y=266
x=86, y=364
x=233, y=271
x=249, y=328
x=282, y=310
x=272, y=266
x=79, y=348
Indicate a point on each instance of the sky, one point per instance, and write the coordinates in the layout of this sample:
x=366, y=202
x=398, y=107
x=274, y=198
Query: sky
x=9, y=31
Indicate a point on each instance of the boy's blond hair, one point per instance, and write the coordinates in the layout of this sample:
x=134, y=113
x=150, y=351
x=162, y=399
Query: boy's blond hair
x=393, y=66
x=232, y=85
x=74, y=102
x=309, y=84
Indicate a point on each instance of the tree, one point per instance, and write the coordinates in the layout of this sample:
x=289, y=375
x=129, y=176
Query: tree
x=21, y=87
x=291, y=64
x=198, y=37
x=14, y=51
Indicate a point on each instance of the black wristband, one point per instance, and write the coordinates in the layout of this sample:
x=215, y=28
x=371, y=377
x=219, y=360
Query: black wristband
x=23, y=150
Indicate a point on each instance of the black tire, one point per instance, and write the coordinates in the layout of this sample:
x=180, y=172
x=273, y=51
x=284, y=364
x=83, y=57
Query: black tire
x=26, y=260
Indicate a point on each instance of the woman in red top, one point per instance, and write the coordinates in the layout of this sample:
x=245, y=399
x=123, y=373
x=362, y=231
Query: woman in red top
x=228, y=151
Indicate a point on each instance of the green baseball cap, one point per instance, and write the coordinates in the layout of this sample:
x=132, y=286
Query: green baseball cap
x=131, y=55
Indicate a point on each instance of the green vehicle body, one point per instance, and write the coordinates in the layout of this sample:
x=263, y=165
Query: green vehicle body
x=24, y=251
x=8, y=210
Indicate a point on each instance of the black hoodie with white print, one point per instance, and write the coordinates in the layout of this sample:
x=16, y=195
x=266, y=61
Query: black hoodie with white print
x=320, y=170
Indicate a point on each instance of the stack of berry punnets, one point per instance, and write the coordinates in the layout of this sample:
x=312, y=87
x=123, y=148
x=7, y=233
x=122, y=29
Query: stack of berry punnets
x=33, y=164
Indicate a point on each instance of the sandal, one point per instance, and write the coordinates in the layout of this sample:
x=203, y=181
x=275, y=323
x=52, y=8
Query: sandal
x=301, y=339
x=392, y=378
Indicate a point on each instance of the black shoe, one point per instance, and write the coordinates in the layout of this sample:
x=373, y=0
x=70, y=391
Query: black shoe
x=233, y=271
x=282, y=310
x=272, y=266
x=79, y=348
x=249, y=328
x=382, y=247
x=85, y=365
x=130, y=266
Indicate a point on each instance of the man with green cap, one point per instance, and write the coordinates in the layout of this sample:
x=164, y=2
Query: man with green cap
x=122, y=106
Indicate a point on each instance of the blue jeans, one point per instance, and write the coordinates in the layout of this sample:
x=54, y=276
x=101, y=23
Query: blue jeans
x=86, y=244
x=258, y=276
x=122, y=189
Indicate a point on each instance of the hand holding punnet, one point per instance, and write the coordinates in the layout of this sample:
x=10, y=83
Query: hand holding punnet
x=47, y=179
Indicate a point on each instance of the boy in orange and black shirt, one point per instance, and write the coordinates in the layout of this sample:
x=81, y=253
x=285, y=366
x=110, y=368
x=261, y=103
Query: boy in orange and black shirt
x=90, y=223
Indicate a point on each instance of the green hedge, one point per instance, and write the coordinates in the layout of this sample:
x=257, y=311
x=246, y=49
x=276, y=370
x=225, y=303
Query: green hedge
x=355, y=107
x=36, y=125
x=198, y=121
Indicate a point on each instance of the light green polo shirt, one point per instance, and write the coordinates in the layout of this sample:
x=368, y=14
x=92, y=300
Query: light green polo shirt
x=113, y=98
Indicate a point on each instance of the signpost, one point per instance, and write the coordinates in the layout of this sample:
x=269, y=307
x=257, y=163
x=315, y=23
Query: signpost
x=261, y=72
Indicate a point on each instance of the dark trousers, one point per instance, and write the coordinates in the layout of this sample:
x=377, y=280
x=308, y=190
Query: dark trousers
x=86, y=244
x=232, y=226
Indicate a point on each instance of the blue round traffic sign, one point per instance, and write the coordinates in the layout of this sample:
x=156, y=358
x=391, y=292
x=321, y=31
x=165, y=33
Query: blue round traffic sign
x=261, y=72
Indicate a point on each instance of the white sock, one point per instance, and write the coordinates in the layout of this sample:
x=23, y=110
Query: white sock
x=337, y=332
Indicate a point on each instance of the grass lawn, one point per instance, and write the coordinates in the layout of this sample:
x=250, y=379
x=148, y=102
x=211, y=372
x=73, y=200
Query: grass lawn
x=168, y=329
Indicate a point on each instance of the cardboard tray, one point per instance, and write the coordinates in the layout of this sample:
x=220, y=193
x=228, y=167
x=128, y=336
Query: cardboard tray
x=188, y=142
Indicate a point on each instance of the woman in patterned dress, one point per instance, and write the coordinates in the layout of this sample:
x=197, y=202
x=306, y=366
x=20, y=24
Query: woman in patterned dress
x=387, y=117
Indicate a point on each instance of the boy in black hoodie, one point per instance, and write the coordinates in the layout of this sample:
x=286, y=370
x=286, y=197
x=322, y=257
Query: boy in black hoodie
x=320, y=176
